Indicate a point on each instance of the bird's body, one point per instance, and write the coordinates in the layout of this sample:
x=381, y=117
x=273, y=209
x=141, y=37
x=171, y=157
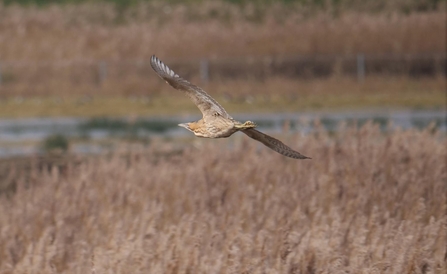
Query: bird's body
x=216, y=122
x=216, y=127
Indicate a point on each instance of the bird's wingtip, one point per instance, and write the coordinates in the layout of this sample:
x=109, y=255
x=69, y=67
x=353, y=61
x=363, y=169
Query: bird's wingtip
x=154, y=59
x=160, y=67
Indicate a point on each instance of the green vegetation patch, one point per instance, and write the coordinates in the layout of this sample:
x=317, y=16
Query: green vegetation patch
x=179, y=105
x=55, y=143
x=374, y=5
x=120, y=125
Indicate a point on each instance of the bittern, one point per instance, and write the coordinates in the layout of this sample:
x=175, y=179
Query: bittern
x=216, y=122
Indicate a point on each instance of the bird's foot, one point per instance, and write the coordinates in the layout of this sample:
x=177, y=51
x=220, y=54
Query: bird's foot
x=246, y=125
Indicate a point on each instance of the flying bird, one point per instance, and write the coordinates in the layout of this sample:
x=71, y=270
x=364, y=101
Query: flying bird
x=216, y=122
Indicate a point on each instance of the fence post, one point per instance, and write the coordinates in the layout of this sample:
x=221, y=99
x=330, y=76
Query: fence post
x=1, y=78
x=360, y=67
x=102, y=72
x=204, y=70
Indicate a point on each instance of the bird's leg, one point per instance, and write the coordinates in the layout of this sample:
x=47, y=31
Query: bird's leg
x=246, y=125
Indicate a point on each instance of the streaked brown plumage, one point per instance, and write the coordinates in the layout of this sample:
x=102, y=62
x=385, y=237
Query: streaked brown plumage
x=216, y=122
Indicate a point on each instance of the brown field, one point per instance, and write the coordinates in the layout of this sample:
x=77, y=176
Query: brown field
x=367, y=202
x=154, y=97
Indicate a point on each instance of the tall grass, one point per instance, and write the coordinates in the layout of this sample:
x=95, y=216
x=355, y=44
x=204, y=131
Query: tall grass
x=99, y=31
x=56, y=49
x=367, y=202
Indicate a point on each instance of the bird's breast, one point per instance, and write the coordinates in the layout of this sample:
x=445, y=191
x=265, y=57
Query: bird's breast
x=220, y=131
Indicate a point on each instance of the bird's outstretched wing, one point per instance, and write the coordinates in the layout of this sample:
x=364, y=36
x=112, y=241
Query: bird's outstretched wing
x=206, y=104
x=274, y=144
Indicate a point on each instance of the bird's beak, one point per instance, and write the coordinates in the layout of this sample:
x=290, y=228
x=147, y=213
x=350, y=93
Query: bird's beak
x=185, y=125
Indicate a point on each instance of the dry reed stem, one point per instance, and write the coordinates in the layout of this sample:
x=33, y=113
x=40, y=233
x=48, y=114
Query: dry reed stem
x=368, y=202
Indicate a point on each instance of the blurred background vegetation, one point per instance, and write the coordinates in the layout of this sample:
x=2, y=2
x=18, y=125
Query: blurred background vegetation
x=90, y=59
x=65, y=55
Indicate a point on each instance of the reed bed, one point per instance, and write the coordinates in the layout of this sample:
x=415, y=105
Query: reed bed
x=57, y=50
x=367, y=202
x=102, y=32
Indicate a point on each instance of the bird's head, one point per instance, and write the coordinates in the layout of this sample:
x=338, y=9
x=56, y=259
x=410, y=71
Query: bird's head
x=193, y=127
